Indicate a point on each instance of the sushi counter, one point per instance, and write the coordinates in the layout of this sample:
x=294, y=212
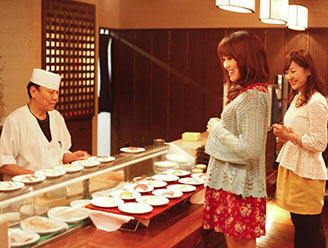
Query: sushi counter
x=149, y=191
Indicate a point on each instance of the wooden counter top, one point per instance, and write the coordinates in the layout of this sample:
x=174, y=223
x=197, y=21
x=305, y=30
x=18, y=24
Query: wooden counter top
x=178, y=225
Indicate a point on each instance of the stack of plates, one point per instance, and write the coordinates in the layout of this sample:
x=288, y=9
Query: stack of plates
x=161, y=166
x=182, y=161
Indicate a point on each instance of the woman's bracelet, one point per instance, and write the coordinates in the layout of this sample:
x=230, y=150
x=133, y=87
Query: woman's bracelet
x=295, y=139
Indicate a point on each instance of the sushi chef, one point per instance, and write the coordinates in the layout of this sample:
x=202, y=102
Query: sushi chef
x=35, y=136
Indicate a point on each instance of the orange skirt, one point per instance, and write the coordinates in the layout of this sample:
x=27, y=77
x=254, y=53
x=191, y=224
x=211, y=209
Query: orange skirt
x=298, y=194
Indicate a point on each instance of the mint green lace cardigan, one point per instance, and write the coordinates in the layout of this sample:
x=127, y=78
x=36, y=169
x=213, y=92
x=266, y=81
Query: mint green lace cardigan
x=237, y=146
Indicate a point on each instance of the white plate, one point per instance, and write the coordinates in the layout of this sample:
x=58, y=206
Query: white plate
x=191, y=181
x=185, y=188
x=135, y=208
x=199, y=175
x=153, y=200
x=176, y=158
x=70, y=168
x=102, y=159
x=29, y=178
x=19, y=238
x=43, y=225
x=166, y=178
x=10, y=186
x=132, y=149
x=166, y=164
x=125, y=194
x=155, y=183
x=139, y=187
x=177, y=172
x=170, y=194
x=79, y=203
x=107, y=202
x=68, y=214
x=51, y=173
x=87, y=163
x=100, y=194
x=141, y=179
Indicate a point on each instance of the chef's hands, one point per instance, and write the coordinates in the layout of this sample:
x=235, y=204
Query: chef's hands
x=77, y=155
x=212, y=123
x=283, y=133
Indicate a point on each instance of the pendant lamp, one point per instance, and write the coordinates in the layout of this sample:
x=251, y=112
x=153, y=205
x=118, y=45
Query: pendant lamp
x=244, y=6
x=274, y=11
x=297, y=17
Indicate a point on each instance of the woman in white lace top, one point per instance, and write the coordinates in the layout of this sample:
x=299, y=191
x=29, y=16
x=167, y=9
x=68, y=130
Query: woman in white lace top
x=302, y=171
x=235, y=198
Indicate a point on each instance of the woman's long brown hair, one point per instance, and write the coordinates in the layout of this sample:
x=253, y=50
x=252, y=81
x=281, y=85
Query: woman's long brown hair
x=314, y=81
x=249, y=52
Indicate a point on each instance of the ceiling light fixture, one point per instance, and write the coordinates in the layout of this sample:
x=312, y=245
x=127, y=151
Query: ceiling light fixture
x=274, y=11
x=244, y=6
x=297, y=17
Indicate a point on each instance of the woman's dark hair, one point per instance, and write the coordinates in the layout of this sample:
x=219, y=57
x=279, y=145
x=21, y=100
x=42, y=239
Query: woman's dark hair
x=30, y=84
x=313, y=82
x=249, y=52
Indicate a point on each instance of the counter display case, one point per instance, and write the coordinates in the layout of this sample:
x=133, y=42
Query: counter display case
x=35, y=199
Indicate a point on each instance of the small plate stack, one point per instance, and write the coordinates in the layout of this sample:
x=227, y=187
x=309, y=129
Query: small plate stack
x=161, y=166
x=182, y=161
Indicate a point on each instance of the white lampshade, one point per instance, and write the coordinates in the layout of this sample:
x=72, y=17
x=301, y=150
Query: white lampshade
x=244, y=6
x=297, y=17
x=274, y=11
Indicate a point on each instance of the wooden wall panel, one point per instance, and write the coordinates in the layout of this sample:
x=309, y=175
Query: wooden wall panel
x=214, y=78
x=194, y=99
x=159, y=83
x=166, y=82
x=177, y=80
x=141, y=89
x=319, y=51
x=275, y=46
x=296, y=40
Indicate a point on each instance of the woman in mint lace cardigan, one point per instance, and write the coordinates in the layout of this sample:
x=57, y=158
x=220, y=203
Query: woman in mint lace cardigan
x=235, y=198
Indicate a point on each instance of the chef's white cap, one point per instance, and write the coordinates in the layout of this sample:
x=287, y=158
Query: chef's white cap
x=46, y=79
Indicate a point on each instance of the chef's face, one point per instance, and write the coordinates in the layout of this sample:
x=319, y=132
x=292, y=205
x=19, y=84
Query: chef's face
x=231, y=65
x=297, y=76
x=45, y=98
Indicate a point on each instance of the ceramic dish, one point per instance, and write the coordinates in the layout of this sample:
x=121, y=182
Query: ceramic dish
x=139, y=187
x=135, y=208
x=179, y=173
x=51, y=173
x=132, y=149
x=155, y=183
x=199, y=175
x=107, y=202
x=102, y=159
x=191, y=181
x=79, y=203
x=70, y=168
x=166, y=178
x=125, y=194
x=29, y=178
x=10, y=186
x=20, y=238
x=43, y=225
x=68, y=214
x=170, y=194
x=87, y=163
x=185, y=188
x=153, y=200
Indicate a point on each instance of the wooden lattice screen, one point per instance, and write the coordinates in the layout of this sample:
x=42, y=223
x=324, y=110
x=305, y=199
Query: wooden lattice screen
x=68, y=48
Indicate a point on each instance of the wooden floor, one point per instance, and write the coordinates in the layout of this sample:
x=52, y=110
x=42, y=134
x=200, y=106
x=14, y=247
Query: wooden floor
x=279, y=228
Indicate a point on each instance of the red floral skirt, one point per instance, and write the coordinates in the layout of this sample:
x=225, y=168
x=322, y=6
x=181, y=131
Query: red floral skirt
x=233, y=215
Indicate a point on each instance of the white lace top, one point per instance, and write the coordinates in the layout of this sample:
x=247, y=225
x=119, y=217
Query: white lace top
x=309, y=122
x=237, y=146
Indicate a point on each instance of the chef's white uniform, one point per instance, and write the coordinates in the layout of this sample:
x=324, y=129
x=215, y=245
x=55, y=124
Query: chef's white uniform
x=24, y=144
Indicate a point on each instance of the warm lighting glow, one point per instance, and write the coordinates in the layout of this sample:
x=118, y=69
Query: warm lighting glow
x=274, y=11
x=244, y=6
x=297, y=17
